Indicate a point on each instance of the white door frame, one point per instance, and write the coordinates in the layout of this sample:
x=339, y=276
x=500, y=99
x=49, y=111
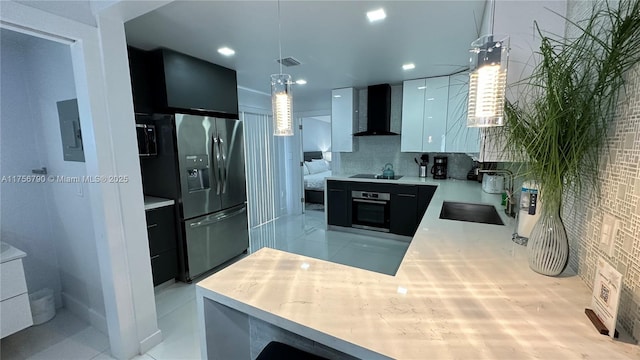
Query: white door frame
x=103, y=89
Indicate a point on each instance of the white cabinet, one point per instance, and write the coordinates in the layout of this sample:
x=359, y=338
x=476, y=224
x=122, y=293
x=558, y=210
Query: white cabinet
x=412, y=115
x=344, y=119
x=14, y=304
x=424, y=114
x=459, y=137
x=435, y=114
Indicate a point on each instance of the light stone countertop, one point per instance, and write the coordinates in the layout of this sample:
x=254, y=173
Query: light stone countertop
x=405, y=180
x=463, y=291
x=152, y=202
x=9, y=253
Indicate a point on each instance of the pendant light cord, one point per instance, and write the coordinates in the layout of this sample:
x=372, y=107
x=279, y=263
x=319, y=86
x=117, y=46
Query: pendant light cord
x=279, y=39
x=493, y=14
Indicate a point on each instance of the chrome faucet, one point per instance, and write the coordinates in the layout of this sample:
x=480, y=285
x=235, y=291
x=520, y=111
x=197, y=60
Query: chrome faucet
x=511, y=200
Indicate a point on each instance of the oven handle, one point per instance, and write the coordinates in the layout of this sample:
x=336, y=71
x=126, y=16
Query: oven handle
x=370, y=201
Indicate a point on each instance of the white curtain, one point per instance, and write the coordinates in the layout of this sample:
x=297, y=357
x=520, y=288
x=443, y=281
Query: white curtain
x=271, y=183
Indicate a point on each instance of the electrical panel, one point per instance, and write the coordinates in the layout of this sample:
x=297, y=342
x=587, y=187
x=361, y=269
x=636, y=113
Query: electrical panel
x=70, y=131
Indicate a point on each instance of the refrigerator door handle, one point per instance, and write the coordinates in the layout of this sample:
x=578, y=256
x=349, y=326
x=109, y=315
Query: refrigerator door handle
x=224, y=165
x=214, y=150
x=218, y=218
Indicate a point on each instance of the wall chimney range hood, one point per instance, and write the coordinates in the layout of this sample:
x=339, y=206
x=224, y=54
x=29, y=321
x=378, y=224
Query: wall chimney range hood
x=378, y=111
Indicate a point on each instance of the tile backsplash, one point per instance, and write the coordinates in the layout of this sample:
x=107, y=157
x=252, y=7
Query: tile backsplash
x=618, y=196
x=373, y=152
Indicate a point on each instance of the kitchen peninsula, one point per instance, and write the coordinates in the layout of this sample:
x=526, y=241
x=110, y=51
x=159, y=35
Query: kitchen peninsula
x=463, y=290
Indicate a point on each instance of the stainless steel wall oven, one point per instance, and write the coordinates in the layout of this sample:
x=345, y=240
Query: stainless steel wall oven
x=370, y=210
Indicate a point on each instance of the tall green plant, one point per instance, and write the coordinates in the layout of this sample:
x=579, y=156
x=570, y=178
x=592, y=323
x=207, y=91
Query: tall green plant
x=560, y=123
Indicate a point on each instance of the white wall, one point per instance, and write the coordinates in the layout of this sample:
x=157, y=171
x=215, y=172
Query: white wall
x=517, y=20
x=48, y=78
x=51, y=80
x=316, y=134
x=106, y=113
x=254, y=101
x=26, y=223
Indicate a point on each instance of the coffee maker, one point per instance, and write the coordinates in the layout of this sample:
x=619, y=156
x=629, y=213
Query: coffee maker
x=439, y=168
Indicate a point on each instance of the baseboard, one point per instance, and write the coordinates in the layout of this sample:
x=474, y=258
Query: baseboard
x=151, y=341
x=79, y=309
x=76, y=307
x=99, y=321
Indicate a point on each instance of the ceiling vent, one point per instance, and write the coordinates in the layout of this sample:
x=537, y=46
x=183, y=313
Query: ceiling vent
x=288, y=61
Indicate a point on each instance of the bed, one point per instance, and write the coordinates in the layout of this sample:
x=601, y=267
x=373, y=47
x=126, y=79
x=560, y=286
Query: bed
x=315, y=172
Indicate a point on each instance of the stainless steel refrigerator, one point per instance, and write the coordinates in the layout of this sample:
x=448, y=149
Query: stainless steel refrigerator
x=200, y=164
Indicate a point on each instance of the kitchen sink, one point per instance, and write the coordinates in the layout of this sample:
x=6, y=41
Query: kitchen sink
x=479, y=213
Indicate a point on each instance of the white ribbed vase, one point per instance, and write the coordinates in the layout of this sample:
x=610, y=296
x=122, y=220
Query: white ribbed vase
x=548, y=246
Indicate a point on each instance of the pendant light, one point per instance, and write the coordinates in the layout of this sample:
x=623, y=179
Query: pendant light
x=281, y=97
x=488, y=79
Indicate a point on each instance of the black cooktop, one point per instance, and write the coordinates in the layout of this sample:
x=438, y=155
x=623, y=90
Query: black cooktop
x=375, y=176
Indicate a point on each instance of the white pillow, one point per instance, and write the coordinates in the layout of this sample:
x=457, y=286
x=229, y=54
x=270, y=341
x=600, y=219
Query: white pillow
x=316, y=166
x=305, y=169
x=327, y=164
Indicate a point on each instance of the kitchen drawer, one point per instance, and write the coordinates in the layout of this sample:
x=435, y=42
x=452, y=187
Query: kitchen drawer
x=12, y=279
x=16, y=313
x=371, y=187
x=404, y=189
x=164, y=266
x=161, y=229
x=389, y=188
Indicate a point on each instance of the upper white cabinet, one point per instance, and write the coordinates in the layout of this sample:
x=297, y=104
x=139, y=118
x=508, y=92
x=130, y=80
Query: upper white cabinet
x=412, y=115
x=435, y=114
x=344, y=119
x=424, y=114
x=459, y=137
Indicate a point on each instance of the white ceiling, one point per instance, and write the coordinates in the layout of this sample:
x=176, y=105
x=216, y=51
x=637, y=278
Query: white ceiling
x=78, y=10
x=333, y=40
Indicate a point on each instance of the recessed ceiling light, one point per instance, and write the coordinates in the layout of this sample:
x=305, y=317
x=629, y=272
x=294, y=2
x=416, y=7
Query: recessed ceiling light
x=408, y=66
x=421, y=87
x=376, y=15
x=301, y=81
x=337, y=96
x=226, y=51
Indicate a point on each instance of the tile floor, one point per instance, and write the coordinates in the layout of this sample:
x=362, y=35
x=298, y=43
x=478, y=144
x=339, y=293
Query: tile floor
x=66, y=337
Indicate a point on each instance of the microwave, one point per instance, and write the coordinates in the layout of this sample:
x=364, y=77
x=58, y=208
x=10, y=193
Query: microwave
x=147, y=142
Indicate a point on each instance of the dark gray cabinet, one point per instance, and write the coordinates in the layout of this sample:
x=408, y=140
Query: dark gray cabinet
x=404, y=205
x=166, y=81
x=161, y=232
x=140, y=68
x=425, y=194
x=407, y=204
x=338, y=203
x=189, y=83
